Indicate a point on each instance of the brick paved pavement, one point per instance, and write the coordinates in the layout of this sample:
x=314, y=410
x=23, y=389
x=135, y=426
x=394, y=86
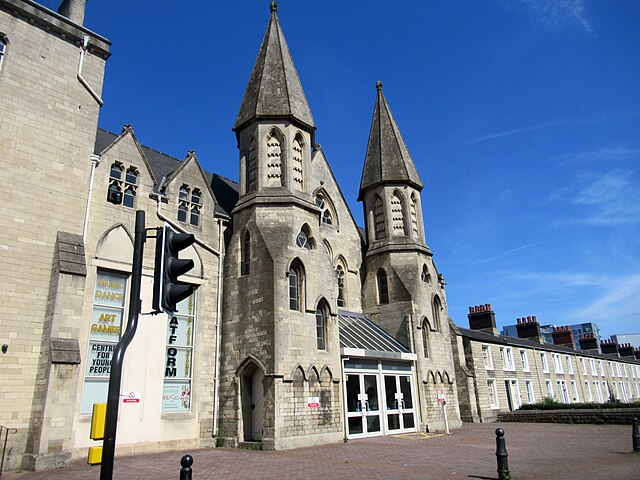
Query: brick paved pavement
x=536, y=452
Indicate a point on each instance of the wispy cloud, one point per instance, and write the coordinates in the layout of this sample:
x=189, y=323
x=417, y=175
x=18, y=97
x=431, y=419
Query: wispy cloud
x=560, y=122
x=619, y=300
x=508, y=253
x=608, y=154
x=611, y=198
x=557, y=14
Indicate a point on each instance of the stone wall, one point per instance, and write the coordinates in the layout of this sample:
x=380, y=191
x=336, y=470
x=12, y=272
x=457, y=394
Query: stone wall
x=613, y=416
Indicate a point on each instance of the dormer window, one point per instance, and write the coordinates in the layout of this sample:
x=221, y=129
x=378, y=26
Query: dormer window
x=189, y=205
x=122, y=187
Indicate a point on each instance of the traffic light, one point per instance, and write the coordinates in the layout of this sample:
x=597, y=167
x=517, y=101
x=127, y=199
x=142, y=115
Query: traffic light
x=167, y=290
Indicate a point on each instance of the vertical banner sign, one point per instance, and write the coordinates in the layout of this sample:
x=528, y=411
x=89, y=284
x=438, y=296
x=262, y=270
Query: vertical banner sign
x=104, y=333
x=176, y=395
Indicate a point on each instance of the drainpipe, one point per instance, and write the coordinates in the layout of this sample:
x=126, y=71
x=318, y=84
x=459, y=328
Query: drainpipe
x=83, y=50
x=216, y=387
x=95, y=161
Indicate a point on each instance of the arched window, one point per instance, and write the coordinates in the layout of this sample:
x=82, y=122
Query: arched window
x=304, y=238
x=252, y=167
x=378, y=218
x=414, y=216
x=397, y=215
x=437, y=308
x=297, y=160
x=116, y=184
x=182, y=211
x=245, y=255
x=426, y=328
x=383, y=287
x=129, y=197
x=321, y=327
x=274, y=160
x=296, y=286
x=341, y=296
x=184, y=193
x=425, y=276
x=328, y=216
x=196, y=198
x=189, y=205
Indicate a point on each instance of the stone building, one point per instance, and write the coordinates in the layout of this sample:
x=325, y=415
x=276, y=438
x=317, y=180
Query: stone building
x=304, y=328
x=502, y=373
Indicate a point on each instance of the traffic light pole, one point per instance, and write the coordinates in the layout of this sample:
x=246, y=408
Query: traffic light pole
x=113, y=397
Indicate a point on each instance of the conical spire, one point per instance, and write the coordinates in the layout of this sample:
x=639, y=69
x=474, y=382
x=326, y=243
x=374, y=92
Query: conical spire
x=274, y=88
x=387, y=159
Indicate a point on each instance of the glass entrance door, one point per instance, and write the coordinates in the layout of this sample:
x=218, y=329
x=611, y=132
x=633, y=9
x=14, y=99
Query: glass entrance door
x=363, y=405
x=400, y=410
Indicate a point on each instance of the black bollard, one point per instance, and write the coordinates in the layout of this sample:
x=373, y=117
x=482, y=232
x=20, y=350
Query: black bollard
x=185, y=471
x=501, y=455
x=635, y=435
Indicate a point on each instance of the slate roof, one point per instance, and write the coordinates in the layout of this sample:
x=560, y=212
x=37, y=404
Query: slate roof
x=358, y=332
x=162, y=165
x=487, y=337
x=387, y=159
x=274, y=89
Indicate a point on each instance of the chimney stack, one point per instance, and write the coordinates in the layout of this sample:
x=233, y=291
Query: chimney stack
x=529, y=328
x=73, y=10
x=636, y=352
x=562, y=336
x=626, y=350
x=481, y=317
x=609, y=346
x=588, y=341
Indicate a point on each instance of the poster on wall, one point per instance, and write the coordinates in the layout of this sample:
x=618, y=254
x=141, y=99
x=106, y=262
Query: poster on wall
x=176, y=397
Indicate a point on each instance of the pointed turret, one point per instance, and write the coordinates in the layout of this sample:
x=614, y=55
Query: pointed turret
x=274, y=90
x=388, y=159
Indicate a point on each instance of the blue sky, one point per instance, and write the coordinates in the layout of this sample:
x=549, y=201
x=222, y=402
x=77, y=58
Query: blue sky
x=522, y=116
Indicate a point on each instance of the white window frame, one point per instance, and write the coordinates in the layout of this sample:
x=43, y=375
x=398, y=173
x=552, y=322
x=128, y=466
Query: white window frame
x=601, y=368
x=574, y=387
x=557, y=363
x=584, y=365
x=492, y=391
x=596, y=387
x=486, y=355
x=592, y=365
x=531, y=396
x=569, y=365
x=618, y=370
x=587, y=387
x=545, y=363
x=563, y=392
x=524, y=358
x=549, y=386
x=508, y=362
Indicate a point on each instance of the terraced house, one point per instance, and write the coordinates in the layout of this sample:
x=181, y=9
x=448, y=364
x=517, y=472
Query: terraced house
x=304, y=328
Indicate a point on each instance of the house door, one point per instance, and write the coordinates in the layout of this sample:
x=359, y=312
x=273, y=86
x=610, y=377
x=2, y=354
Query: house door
x=400, y=410
x=252, y=399
x=363, y=405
